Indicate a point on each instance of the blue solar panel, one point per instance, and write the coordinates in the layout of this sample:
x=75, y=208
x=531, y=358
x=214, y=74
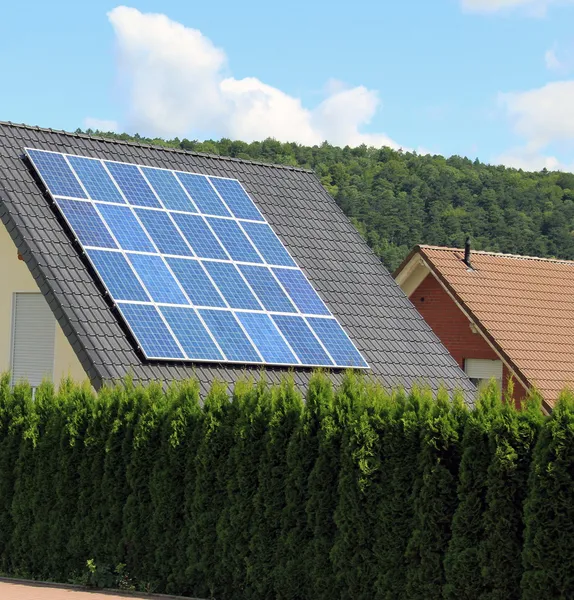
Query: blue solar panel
x=336, y=342
x=301, y=292
x=118, y=276
x=232, y=286
x=163, y=232
x=238, y=202
x=159, y=282
x=199, y=236
x=195, y=282
x=229, y=335
x=56, y=174
x=96, y=179
x=191, y=333
x=203, y=194
x=302, y=340
x=151, y=332
x=132, y=184
x=125, y=227
x=169, y=189
x=86, y=223
x=268, y=244
x=193, y=266
x=267, y=289
x=234, y=240
x=267, y=338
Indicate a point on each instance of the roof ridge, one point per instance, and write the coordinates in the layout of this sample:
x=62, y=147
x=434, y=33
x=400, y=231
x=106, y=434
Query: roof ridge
x=500, y=254
x=154, y=147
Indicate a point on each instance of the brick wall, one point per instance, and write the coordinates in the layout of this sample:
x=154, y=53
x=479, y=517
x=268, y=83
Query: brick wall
x=453, y=328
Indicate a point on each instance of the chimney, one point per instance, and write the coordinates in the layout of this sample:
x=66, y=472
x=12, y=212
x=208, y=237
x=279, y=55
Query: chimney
x=467, y=253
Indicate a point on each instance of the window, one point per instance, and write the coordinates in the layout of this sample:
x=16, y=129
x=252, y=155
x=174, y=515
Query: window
x=33, y=339
x=480, y=371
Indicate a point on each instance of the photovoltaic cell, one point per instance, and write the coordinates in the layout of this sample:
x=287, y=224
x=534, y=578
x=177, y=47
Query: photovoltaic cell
x=118, y=276
x=163, y=232
x=301, y=292
x=267, y=338
x=95, y=178
x=199, y=236
x=86, y=223
x=194, y=268
x=195, y=282
x=268, y=244
x=302, y=340
x=267, y=289
x=234, y=240
x=56, y=173
x=169, y=189
x=229, y=335
x=132, y=184
x=150, y=331
x=336, y=341
x=236, y=199
x=203, y=194
x=232, y=286
x=125, y=227
x=158, y=281
x=191, y=333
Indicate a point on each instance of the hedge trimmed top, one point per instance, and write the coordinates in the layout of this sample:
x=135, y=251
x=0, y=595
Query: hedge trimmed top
x=397, y=343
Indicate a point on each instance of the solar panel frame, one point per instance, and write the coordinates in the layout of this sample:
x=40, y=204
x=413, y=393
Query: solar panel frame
x=242, y=226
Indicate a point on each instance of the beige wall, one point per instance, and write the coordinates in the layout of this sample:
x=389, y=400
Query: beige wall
x=15, y=277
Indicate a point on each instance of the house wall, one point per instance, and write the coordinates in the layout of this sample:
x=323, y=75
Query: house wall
x=15, y=277
x=453, y=328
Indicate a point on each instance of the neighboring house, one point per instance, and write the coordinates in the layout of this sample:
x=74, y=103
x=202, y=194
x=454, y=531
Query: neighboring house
x=499, y=315
x=80, y=297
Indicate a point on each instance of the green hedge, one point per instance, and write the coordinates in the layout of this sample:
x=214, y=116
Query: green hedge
x=259, y=493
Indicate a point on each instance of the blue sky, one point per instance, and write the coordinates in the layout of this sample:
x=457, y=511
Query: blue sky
x=492, y=79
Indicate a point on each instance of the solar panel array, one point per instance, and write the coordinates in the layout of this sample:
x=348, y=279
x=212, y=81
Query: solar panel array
x=192, y=265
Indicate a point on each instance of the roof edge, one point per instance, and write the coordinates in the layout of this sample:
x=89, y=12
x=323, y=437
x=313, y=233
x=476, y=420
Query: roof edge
x=497, y=254
x=7, y=220
x=415, y=250
x=102, y=138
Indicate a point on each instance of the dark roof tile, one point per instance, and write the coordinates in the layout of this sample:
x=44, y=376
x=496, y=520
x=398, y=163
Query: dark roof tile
x=353, y=282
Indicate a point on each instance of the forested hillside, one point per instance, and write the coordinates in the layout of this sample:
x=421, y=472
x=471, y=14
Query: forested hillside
x=399, y=199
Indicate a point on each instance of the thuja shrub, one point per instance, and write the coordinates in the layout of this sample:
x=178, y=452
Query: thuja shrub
x=264, y=492
x=548, y=551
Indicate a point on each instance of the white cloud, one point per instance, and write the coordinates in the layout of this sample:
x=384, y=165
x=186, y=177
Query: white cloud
x=552, y=61
x=533, y=7
x=530, y=160
x=100, y=124
x=542, y=117
x=177, y=84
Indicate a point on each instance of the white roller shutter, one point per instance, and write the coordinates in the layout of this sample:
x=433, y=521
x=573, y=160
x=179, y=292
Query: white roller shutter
x=33, y=339
x=479, y=368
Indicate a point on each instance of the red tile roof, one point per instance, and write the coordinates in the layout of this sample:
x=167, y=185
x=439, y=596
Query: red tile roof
x=524, y=304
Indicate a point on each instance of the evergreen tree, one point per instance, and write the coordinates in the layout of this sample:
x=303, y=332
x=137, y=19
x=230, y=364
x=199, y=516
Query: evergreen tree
x=291, y=578
x=548, y=552
x=205, y=498
x=168, y=484
x=14, y=406
x=287, y=407
x=235, y=527
x=358, y=494
x=463, y=567
x=400, y=431
x=434, y=498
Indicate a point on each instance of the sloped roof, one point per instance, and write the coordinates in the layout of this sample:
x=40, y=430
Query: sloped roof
x=393, y=337
x=525, y=305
